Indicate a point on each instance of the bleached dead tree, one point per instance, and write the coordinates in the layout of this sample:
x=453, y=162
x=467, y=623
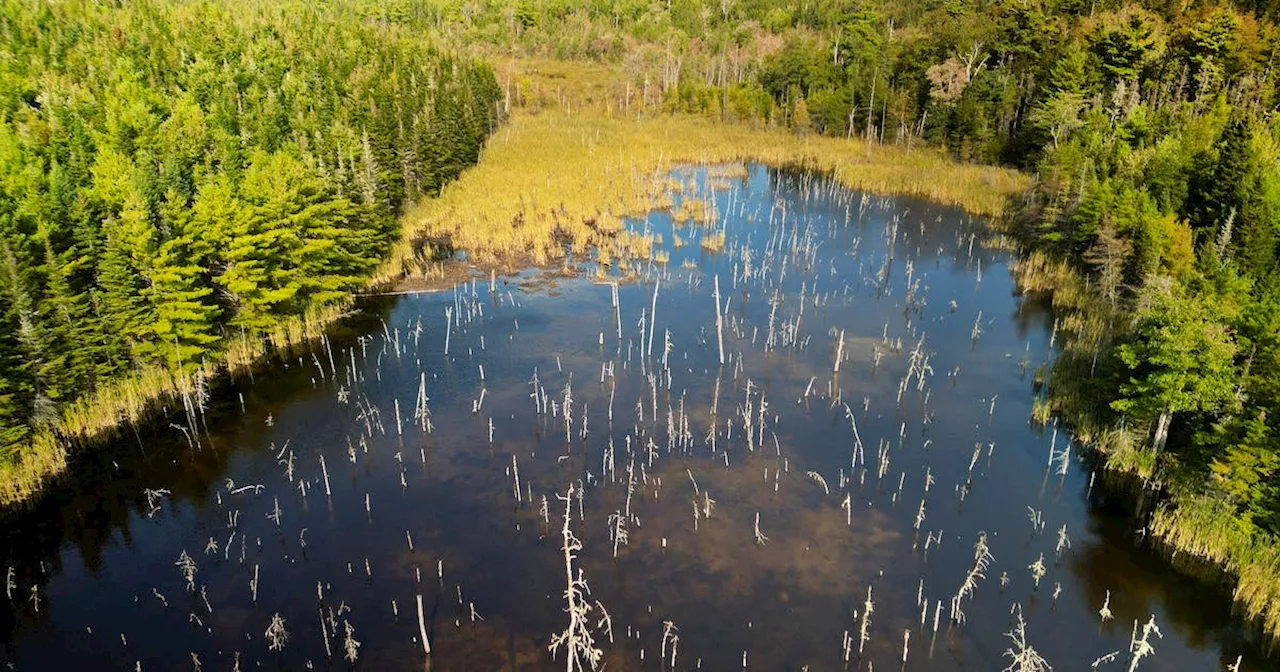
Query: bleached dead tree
x=981, y=558
x=188, y=568
x=864, y=632
x=276, y=634
x=1140, y=647
x=1025, y=658
x=579, y=644
x=719, y=323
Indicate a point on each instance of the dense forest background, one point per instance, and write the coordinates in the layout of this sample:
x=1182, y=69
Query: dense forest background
x=174, y=174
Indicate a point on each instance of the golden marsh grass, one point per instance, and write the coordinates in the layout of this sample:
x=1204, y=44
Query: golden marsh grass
x=551, y=183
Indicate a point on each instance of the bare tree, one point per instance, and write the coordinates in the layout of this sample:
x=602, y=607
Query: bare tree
x=973, y=59
x=1107, y=255
x=1025, y=658
x=581, y=652
x=1059, y=115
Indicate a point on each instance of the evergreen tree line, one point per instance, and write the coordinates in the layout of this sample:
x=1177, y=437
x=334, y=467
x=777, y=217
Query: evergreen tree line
x=1151, y=125
x=175, y=176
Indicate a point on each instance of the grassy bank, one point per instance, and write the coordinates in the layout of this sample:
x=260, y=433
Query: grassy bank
x=134, y=400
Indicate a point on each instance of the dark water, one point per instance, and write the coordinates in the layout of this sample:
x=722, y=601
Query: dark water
x=96, y=581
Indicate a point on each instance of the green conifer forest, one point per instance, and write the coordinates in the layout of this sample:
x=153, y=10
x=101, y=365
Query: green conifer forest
x=176, y=176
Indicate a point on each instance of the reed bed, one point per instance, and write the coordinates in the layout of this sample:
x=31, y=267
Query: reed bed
x=556, y=183
x=1205, y=527
x=23, y=478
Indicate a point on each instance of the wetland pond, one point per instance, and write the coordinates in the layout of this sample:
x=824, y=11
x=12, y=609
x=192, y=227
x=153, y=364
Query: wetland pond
x=730, y=516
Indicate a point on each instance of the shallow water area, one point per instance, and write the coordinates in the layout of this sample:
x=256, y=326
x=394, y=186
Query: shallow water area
x=738, y=500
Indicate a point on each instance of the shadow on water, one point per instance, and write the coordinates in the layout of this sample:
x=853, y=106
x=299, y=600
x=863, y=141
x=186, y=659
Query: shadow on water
x=756, y=518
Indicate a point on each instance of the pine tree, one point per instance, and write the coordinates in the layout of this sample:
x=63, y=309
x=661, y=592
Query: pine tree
x=1247, y=469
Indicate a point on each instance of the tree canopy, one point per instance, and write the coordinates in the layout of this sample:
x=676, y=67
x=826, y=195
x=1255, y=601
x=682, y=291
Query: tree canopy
x=174, y=174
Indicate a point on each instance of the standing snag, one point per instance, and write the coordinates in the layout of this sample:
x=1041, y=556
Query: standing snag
x=276, y=634
x=1140, y=647
x=1024, y=657
x=581, y=652
x=188, y=568
x=981, y=558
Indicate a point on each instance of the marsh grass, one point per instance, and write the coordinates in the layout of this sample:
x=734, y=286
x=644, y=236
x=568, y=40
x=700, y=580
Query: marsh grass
x=1207, y=528
x=556, y=183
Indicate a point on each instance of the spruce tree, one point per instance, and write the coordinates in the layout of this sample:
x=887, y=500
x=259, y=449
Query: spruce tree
x=1218, y=189
x=29, y=336
x=15, y=380
x=184, y=327
x=123, y=308
x=72, y=342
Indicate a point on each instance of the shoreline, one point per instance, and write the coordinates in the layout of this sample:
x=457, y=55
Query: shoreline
x=1179, y=522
